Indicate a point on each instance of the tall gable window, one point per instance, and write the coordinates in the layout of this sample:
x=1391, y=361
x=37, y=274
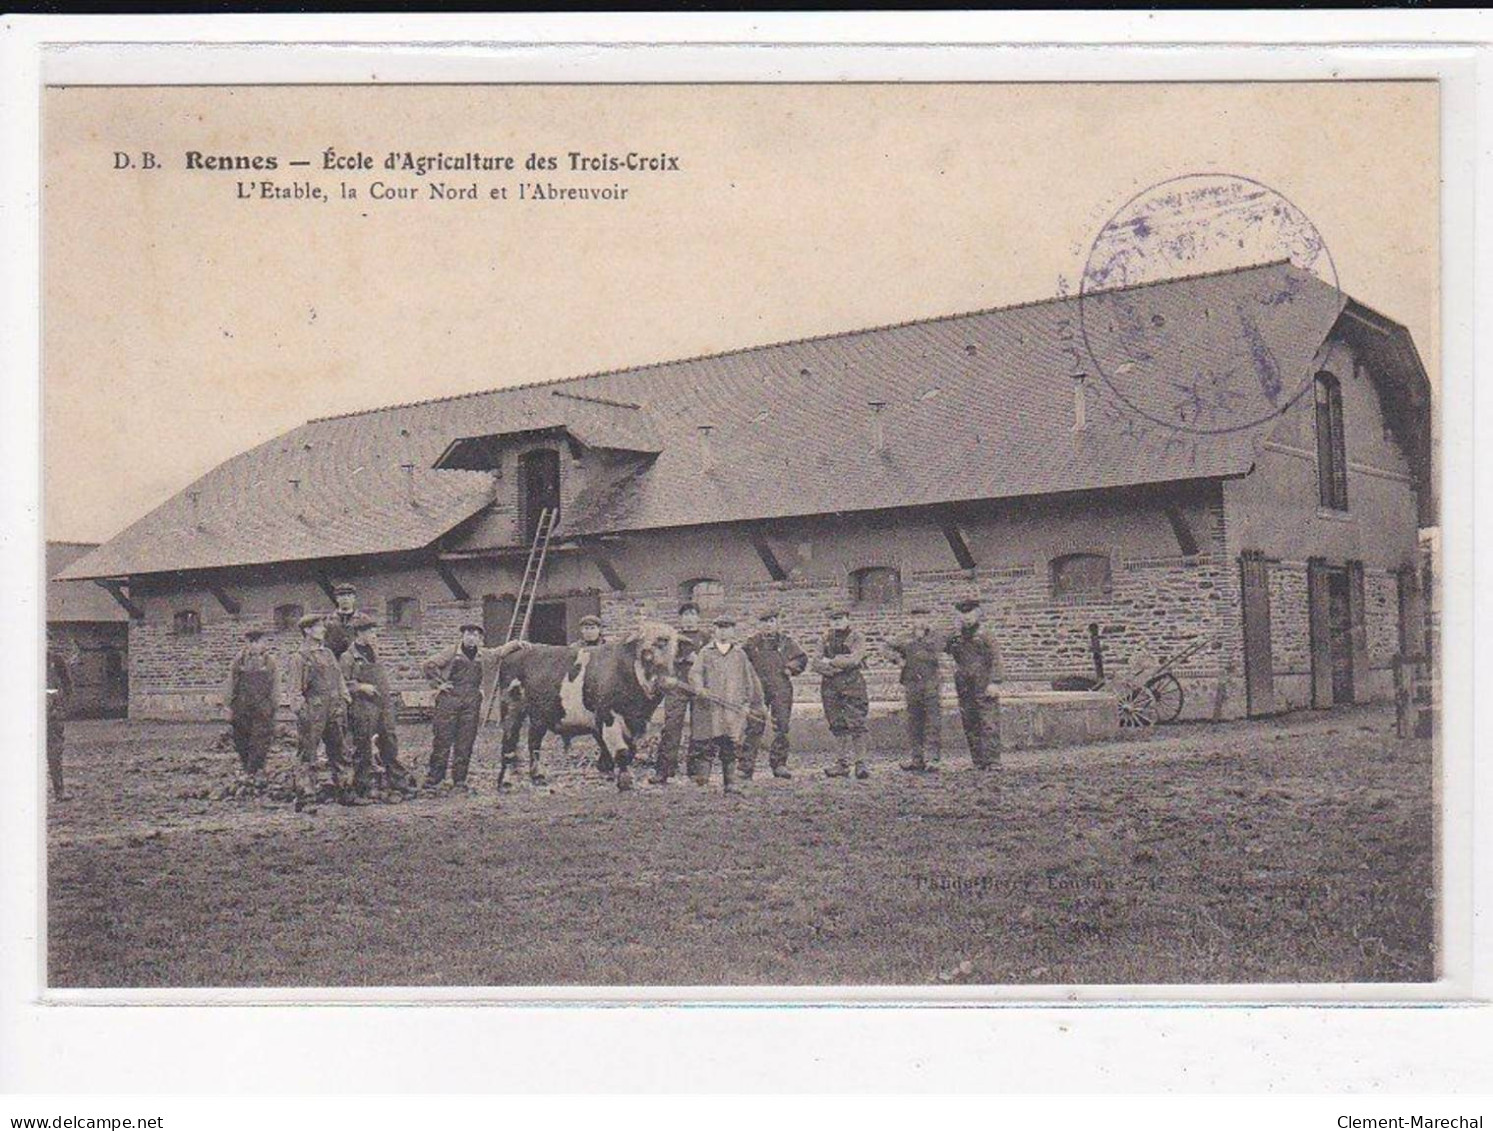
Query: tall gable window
x=706, y=592
x=288, y=617
x=876, y=585
x=186, y=622
x=1332, y=459
x=1080, y=577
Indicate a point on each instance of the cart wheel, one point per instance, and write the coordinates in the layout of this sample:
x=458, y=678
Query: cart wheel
x=1137, y=707
x=1168, y=694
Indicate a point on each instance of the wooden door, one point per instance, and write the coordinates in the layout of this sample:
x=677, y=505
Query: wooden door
x=1320, y=633
x=1259, y=670
x=1340, y=629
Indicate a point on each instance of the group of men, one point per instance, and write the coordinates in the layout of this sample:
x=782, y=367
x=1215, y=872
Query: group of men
x=728, y=693
x=340, y=693
x=725, y=693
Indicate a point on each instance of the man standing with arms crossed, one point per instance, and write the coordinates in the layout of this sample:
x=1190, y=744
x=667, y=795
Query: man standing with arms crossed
x=842, y=657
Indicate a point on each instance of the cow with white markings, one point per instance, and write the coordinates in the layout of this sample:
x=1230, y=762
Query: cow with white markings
x=609, y=691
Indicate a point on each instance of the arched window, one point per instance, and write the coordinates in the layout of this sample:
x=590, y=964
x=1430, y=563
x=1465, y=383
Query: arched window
x=1332, y=459
x=876, y=585
x=186, y=622
x=288, y=617
x=1079, y=577
x=707, y=592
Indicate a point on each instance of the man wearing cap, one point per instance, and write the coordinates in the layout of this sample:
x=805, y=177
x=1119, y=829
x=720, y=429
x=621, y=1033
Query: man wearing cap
x=920, y=652
x=724, y=673
x=692, y=637
x=251, y=698
x=977, y=663
x=372, y=716
x=459, y=674
x=318, y=696
x=842, y=658
x=340, y=620
x=777, y=659
x=590, y=632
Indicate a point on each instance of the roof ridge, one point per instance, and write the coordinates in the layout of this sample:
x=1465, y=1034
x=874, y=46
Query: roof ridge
x=738, y=350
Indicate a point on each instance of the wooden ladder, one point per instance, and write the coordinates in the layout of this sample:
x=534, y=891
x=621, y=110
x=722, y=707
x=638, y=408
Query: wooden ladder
x=528, y=588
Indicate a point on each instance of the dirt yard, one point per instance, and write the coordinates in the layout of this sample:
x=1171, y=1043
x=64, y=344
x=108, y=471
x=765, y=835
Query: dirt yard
x=1293, y=850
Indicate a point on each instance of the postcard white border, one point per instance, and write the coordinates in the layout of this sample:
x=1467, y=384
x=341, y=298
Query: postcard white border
x=1066, y=47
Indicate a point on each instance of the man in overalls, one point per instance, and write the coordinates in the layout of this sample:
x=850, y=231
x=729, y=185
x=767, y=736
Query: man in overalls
x=318, y=695
x=976, y=664
x=458, y=674
x=842, y=656
x=920, y=653
x=777, y=658
x=372, y=717
x=252, y=696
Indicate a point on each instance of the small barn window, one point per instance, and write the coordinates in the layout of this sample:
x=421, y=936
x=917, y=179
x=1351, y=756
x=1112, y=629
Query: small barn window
x=1078, y=577
x=876, y=585
x=403, y=612
x=186, y=622
x=288, y=617
x=707, y=592
x=1332, y=459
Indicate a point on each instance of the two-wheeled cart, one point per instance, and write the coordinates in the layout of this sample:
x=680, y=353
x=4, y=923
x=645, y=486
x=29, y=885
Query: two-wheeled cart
x=1149, y=691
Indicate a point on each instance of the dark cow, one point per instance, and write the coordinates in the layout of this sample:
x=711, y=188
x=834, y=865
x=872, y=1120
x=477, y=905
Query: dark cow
x=609, y=691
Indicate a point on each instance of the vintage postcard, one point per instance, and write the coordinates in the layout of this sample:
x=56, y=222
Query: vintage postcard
x=949, y=538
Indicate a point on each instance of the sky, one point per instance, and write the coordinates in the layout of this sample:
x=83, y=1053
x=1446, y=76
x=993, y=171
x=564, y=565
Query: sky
x=182, y=324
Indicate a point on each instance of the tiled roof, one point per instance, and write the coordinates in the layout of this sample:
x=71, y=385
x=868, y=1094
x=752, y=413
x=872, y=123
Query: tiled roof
x=74, y=601
x=977, y=406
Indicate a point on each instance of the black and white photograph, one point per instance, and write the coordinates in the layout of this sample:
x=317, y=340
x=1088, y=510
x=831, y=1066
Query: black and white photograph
x=945, y=536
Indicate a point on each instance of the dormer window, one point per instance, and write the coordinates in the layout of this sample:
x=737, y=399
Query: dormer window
x=538, y=488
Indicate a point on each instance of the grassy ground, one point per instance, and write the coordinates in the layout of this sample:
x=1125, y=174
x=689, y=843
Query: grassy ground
x=1293, y=850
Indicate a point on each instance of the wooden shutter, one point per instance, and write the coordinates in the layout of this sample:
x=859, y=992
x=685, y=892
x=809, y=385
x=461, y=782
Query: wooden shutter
x=1259, y=664
x=1359, y=641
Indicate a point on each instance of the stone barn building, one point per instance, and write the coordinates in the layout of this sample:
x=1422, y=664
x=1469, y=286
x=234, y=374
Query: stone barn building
x=1038, y=455
x=92, y=633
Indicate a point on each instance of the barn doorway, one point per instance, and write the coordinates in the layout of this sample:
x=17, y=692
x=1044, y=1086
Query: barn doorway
x=1330, y=597
x=538, y=488
x=548, y=624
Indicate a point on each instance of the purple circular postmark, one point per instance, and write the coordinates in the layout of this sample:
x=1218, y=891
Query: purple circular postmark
x=1200, y=356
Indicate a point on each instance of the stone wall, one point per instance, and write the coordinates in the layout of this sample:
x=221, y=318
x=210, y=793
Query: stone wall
x=1156, y=608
